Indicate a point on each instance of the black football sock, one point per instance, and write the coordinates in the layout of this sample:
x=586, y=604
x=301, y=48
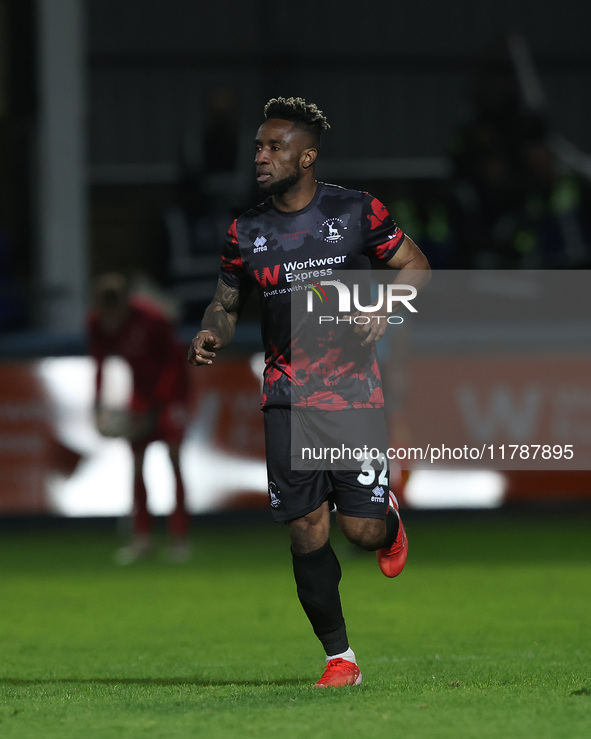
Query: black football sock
x=392, y=524
x=317, y=575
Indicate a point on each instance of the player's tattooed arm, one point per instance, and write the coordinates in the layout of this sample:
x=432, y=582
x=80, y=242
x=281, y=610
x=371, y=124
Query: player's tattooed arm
x=219, y=324
x=221, y=315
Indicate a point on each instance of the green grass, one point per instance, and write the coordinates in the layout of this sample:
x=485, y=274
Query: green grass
x=486, y=634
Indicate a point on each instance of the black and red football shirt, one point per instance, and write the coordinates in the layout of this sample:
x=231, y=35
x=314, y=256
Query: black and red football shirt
x=340, y=229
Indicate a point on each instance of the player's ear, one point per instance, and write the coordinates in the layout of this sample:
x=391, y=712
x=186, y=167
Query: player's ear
x=309, y=157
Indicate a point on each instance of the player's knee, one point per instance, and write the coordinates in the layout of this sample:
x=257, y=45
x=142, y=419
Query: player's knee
x=309, y=532
x=304, y=541
x=367, y=533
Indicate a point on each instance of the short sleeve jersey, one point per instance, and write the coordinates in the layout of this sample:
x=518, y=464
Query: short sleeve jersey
x=280, y=252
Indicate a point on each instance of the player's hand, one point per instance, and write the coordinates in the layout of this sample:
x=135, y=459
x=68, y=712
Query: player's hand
x=203, y=346
x=370, y=328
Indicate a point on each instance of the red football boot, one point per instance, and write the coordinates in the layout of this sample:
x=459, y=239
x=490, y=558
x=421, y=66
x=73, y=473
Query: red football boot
x=339, y=672
x=392, y=559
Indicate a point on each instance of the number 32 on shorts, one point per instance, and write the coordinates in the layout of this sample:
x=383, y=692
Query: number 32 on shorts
x=368, y=474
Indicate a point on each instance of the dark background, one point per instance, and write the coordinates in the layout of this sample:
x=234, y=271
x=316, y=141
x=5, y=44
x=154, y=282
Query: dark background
x=174, y=90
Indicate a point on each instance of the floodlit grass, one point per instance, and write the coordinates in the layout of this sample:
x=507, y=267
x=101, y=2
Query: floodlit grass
x=487, y=633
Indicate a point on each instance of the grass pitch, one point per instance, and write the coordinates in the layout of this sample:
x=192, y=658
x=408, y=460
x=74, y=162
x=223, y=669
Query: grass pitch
x=485, y=634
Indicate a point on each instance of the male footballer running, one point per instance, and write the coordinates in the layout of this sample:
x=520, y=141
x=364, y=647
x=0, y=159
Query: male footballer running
x=301, y=222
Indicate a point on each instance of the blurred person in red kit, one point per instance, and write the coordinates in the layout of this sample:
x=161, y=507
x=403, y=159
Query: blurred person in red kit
x=138, y=330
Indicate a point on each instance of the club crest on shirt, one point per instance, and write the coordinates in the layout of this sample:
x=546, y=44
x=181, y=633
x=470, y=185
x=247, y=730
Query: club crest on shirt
x=332, y=230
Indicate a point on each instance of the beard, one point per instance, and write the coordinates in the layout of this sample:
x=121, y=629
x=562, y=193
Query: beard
x=280, y=187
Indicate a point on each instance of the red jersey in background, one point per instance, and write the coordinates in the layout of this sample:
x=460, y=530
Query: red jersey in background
x=147, y=341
